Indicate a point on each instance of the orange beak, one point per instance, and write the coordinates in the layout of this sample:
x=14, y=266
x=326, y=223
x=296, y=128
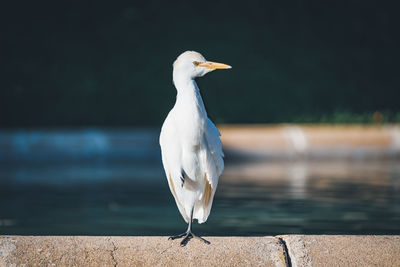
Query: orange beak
x=213, y=65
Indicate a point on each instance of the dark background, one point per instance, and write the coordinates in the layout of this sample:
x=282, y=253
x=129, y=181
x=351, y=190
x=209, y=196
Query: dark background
x=109, y=63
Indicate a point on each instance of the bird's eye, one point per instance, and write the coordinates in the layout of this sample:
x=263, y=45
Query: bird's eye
x=196, y=63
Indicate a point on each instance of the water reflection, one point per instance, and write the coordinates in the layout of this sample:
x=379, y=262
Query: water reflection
x=351, y=197
x=255, y=198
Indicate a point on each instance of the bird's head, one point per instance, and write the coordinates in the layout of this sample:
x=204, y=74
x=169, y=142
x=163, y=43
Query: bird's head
x=192, y=64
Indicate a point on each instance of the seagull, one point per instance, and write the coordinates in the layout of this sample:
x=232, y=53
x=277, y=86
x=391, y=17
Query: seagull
x=191, y=148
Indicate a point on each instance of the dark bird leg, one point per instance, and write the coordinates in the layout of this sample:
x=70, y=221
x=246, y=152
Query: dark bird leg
x=188, y=234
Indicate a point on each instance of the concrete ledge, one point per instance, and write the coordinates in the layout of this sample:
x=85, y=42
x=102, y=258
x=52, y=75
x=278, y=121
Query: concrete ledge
x=334, y=250
x=288, y=250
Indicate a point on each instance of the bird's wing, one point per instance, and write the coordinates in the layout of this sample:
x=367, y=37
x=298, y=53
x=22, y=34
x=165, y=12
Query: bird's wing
x=212, y=165
x=214, y=162
x=171, y=161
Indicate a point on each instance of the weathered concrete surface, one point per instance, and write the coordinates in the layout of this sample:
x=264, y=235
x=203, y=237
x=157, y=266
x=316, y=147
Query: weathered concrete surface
x=339, y=250
x=55, y=251
x=302, y=250
x=138, y=251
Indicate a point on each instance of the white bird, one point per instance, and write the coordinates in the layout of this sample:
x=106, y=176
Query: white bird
x=190, y=144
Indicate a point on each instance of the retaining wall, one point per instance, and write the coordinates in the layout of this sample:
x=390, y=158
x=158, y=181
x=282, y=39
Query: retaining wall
x=286, y=250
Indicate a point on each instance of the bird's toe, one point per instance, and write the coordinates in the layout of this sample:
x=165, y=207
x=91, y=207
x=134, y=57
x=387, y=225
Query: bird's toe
x=186, y=240
x=176, y=236
x=202, y=239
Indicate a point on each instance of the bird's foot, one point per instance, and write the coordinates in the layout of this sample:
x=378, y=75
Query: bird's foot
x=187, y=236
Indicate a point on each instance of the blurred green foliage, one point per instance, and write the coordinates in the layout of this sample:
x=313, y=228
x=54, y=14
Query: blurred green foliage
x=103, y=63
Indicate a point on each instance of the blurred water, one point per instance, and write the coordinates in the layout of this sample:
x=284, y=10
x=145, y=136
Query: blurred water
x=253, y=198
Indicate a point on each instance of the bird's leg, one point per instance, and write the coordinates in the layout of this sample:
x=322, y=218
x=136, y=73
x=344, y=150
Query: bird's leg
x=185, y=233
x=188, y=234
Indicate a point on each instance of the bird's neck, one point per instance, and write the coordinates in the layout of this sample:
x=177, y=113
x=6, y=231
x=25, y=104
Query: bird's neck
x=188, y=95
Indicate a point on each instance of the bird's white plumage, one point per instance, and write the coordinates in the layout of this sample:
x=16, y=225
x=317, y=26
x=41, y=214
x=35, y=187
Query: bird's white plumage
x=190, y=143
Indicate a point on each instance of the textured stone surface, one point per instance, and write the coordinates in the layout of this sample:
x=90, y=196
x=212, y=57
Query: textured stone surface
x=339, y=250
x=303, y=250
x=55, y=251
x=138, y=251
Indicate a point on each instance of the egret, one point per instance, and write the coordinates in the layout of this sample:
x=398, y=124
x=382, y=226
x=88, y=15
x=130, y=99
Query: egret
x=190, y=143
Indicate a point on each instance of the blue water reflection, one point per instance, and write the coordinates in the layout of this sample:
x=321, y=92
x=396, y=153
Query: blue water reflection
x=117, y=192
